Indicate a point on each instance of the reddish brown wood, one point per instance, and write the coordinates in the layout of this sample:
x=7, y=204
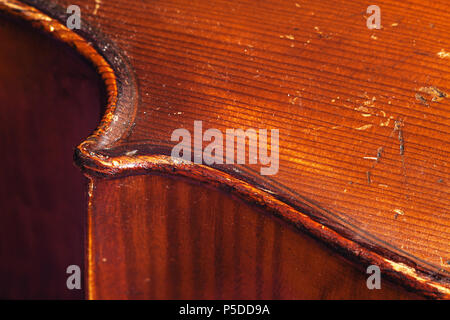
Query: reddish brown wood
x=338, y=92
x=50, y=100
x=157, y=237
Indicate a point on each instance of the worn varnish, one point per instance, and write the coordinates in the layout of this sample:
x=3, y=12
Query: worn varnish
x=363, y=114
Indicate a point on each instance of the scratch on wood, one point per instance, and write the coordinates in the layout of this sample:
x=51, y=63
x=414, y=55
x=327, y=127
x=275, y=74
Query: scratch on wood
x=287, y=36
x=443, y=54
x=378, y=157
x=97, y=6
x=379, y=153
x=402, y=142
x=398, y=128
x=131, y=153
x=361, y=108
x=364, y=127
x=435, y=93
x=397, y=213
x=421, y=99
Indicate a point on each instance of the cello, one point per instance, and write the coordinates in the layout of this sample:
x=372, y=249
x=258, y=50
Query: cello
x=246, y=150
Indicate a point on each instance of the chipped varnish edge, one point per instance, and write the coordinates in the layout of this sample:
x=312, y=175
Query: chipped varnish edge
x=117, y=121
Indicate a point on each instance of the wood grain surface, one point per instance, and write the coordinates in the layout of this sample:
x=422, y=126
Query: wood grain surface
x=50, y=99
x=363, y=114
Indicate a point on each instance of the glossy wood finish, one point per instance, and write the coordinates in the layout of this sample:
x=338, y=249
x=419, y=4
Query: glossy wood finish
x=50, y=99
x=158, y=237
x=364, y=140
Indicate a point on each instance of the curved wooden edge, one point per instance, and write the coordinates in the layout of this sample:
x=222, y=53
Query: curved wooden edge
x=121, y=105
x=117, y=121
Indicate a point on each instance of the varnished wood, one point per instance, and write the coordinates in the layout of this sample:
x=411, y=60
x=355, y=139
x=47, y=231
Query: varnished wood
x=157, y=237
x=340, y=94
x=50, y=99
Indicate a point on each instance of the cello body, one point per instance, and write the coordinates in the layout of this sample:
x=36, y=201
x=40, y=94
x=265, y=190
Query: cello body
x=337, y=162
